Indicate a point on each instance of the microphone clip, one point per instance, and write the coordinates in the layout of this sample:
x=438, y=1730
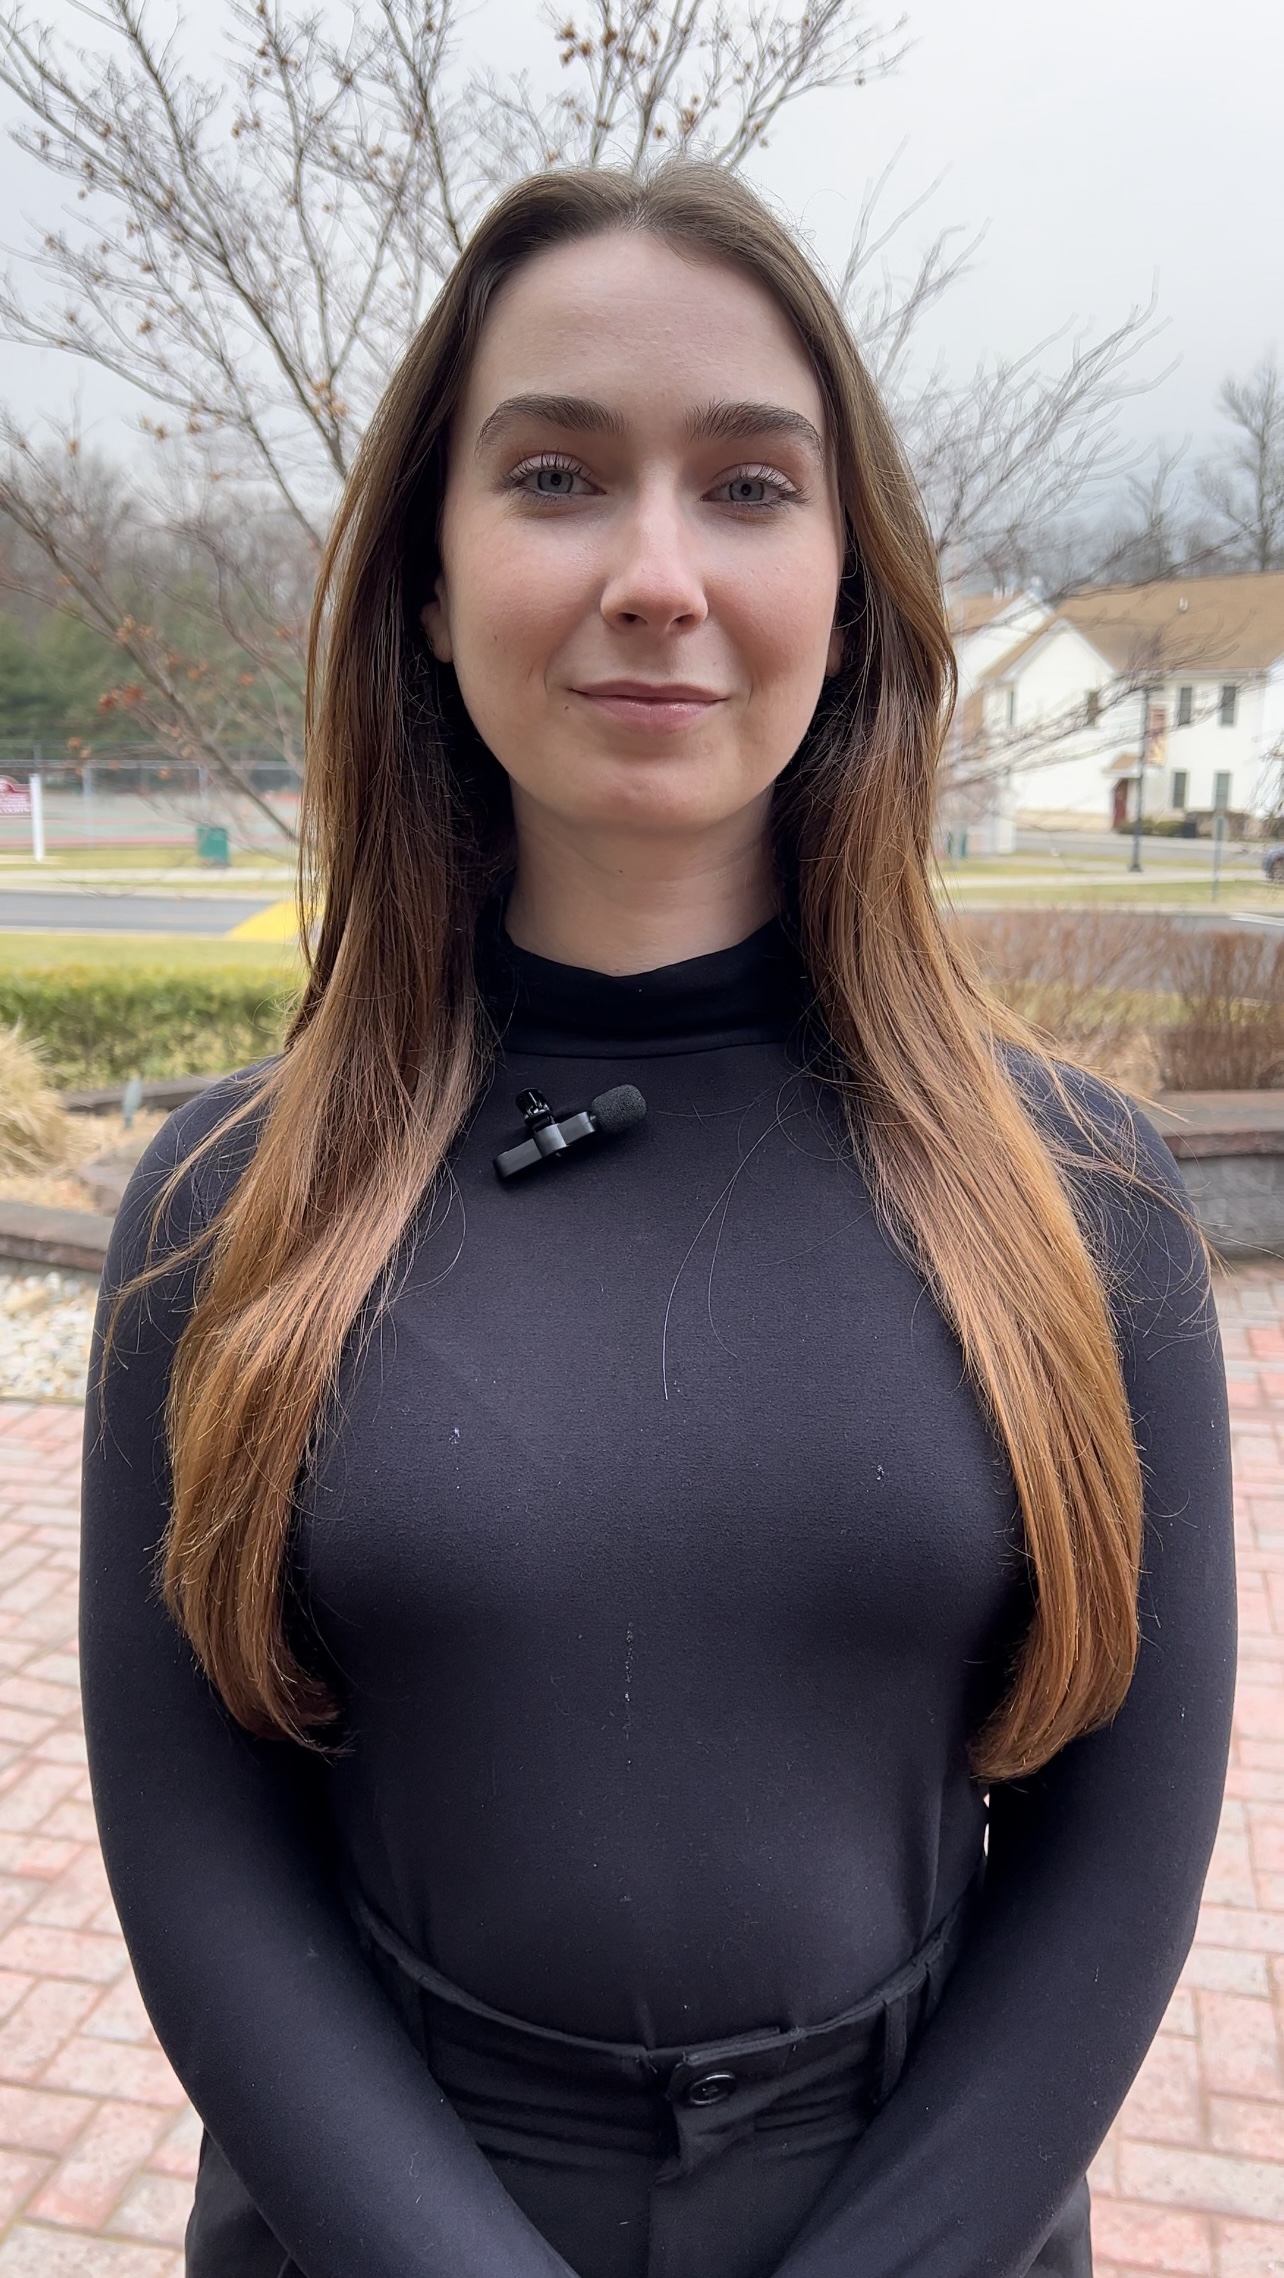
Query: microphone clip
x=550, y=1139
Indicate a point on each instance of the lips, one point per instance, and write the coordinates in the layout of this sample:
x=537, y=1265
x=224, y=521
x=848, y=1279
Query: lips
x=651, y=706
x=653, y=691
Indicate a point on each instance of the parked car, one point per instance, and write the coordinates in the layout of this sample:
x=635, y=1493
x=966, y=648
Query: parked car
x=1273, y=863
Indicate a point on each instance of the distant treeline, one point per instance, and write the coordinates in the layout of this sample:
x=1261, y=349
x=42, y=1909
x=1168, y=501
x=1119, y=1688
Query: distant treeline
x=51, y=680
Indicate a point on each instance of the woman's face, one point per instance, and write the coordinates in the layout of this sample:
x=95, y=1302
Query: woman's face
x=641, y=542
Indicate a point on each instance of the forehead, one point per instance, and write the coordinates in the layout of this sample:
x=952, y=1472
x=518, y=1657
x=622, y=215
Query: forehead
x=653, y=331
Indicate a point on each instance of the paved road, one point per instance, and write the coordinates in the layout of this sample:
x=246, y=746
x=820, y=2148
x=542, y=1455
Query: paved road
x=84, y=911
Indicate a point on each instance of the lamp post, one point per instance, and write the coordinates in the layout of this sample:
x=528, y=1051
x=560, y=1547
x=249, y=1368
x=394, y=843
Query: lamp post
x=1140, y=800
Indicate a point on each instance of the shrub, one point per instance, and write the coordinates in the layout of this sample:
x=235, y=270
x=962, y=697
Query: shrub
x=1158, y=826
x=32, y=1121
x=1230, y=1036
x=1148, y=1000
x=103, y=1026
x=1087, y=979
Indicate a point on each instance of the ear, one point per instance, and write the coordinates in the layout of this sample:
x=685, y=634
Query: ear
x=435, y=619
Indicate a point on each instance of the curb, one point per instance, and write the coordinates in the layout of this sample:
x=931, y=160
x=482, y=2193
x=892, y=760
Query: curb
x=32, y=1233
x=157, y=1091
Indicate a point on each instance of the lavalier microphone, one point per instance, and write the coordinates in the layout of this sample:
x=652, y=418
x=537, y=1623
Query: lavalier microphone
x=549, y=1138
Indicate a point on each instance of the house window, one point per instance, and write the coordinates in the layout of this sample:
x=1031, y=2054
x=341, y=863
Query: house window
x=1092, y=706
x=1222, y=788
x=1012, y=707
x=1185, y=707
x=1226, y=709
x=1180, y=780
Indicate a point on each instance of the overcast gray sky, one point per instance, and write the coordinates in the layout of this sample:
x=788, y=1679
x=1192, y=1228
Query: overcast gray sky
x=1106, y=144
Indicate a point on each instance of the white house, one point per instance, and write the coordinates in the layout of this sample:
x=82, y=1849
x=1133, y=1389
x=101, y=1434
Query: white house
x=1050, y=724
x=986, y=626
x=978, y=799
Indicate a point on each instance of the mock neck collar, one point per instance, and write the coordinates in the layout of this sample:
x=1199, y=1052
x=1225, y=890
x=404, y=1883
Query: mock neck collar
x=752, y=993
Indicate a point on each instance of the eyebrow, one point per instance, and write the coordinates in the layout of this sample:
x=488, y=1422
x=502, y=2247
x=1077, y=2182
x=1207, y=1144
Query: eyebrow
x=736, y=422
x=577, y=413
x=724, y=422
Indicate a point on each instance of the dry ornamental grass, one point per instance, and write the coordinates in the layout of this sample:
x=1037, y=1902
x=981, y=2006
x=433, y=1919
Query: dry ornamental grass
x=33, y=1123
x=42, y=1147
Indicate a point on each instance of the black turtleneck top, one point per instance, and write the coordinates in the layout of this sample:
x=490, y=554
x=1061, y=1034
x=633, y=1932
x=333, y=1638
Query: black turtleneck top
x=664, y=1562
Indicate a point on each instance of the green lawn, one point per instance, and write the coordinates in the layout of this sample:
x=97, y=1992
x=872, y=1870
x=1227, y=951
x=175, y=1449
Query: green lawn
x=149, y=953
x=1021, y=881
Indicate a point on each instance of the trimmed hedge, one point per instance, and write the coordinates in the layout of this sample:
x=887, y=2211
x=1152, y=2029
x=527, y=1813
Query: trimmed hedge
x=101, y=1027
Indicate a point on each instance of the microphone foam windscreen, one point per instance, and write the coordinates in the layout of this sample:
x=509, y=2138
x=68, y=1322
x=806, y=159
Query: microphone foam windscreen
x=618, y=1110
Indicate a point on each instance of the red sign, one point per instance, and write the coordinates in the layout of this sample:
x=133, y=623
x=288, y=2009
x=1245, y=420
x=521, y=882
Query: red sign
x=15, y=798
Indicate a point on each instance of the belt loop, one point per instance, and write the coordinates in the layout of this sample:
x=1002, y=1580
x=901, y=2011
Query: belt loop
x=895, y=2042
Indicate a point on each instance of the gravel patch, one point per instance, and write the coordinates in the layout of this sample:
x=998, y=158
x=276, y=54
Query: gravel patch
x=46, y=1317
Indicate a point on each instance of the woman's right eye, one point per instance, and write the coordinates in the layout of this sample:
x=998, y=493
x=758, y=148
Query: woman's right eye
x=549, y=478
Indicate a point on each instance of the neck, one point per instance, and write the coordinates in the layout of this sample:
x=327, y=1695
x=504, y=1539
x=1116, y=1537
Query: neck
x=616, y=907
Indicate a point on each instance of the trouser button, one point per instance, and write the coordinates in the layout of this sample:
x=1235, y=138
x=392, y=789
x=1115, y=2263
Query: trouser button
x=709, y=2088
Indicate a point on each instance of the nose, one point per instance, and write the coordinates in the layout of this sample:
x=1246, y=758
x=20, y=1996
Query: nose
x=655, y=580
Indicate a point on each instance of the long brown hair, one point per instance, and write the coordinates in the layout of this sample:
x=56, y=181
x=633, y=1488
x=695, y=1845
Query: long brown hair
x=407, y=828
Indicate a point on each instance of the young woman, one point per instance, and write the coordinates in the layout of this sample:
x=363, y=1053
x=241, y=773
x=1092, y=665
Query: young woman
x=661, y=1715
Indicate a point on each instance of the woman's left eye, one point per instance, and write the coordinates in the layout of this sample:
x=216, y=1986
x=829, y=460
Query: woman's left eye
x=755, y=487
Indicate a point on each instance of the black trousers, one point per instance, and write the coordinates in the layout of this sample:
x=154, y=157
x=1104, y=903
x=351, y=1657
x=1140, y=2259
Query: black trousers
x=694, y=2162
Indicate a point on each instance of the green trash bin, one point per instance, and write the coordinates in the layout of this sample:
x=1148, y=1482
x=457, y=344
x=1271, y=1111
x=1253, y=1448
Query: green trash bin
x=212, y=844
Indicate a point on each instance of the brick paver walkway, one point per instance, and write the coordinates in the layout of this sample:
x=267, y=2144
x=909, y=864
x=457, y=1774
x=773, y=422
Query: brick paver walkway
x=1191, y=2178
x=97, y=2147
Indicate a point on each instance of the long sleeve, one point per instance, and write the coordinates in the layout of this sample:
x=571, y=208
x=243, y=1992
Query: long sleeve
x=215, y=1852
x=1095, y=1866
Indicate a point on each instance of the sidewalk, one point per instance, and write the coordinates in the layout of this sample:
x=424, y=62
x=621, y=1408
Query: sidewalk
x=1191, y=2178
x=98, y=2148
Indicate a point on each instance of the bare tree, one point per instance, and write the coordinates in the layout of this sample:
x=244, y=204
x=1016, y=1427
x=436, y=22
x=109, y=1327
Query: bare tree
x=1003, y=455
x=254, y=252
x=203, y=621
x=1150, y=528
x=1163, y=524
x=268, y=245
x=678, y=74
x=1243, y=482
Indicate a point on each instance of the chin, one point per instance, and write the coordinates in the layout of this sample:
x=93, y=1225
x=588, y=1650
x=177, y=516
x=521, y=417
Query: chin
x=662, y=816
x=662, y=790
